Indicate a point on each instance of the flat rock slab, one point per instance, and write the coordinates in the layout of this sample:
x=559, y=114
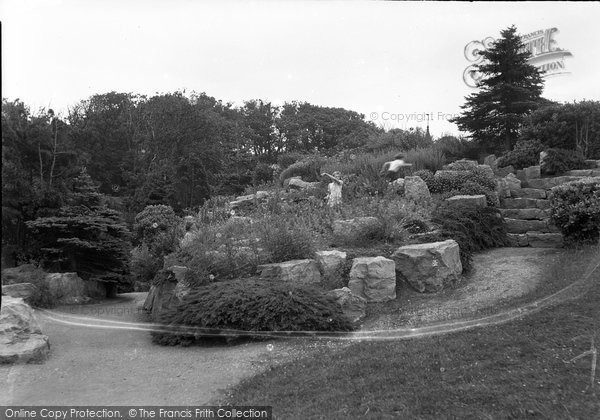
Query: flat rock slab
x=517, y=239
x=373, y=278
x=524, y=203
x=21, y=338
x=523, y=226
x=528, y=193
x=525, y=214
x=429, y=267
x=328, y=261
x=297, y=271
x=548, y=183
x=545, y=240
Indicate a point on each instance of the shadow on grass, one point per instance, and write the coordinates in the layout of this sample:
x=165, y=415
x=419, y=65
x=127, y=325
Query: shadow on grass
x=525, y=368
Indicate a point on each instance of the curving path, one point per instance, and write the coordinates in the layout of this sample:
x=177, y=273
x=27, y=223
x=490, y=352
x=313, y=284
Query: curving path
x=102, y=354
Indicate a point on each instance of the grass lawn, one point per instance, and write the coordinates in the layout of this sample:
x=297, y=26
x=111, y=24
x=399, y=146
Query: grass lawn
x=516, y=370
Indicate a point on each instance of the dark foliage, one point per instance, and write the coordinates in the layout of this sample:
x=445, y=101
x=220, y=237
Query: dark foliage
x=559, y=161
x=509, y=90
x=526, y=153
x=250, y=305
x=474, y=229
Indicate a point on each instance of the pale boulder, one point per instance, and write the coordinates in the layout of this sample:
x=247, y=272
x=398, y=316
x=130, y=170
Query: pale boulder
x=468, y=201
x=329, y=261
x=21, y=338
x=429, y=267
x=415, y=189
x=373, y=278
x=353, y=306
x=297, y=271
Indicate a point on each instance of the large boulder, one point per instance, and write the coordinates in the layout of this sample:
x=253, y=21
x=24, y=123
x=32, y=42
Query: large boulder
x=21, y=338
x=491, y=161
x=355, y=227
x=532, y=172
x=66, y=288
x=353, y=306
x=508, y=186
x=19, y=290
x=429, y=267
x=168, y=293
x=329, y=261
x=297, y=271
x=373, y=278
x=468, y=201
x=415, y=189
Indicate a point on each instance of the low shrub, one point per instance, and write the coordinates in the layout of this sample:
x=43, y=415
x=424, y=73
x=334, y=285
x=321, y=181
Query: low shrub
x=250, y=305
x=472, y=188
x=282, y=243
x=526, y=153
x=559, y=161
x=465, y=180
x=575, y=209
x=143, y=266
x=473, y=229
x=361, y=235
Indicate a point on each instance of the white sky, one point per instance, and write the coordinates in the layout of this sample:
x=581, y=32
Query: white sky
x=388, y=58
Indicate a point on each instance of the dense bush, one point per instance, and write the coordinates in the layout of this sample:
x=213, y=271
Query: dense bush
x=474, y=229
x=262, y=174
x=559, y=161
x=458, y=148
x=250, y=305
x=28, y=273
x=526, y=153
x=444, y=182
x=308, y=168
x=157, y=231
x=575, y=209
x=573, y=126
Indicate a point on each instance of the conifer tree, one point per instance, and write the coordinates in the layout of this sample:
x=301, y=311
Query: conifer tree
x=509, y=90
x=85, y=236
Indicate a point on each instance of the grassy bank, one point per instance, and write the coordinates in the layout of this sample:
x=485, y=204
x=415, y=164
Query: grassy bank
x=516, y=370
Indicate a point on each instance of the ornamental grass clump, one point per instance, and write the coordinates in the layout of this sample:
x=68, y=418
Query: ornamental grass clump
x=248, y=306
x=575, y=209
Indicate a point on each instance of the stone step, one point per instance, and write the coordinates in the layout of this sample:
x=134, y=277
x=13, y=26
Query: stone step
x=593, y=163
x=547, y=183
x=526, y=214
x=524, y=203
x=536, y=240
x=583, y=172
x=523, y=226
x=528, y=193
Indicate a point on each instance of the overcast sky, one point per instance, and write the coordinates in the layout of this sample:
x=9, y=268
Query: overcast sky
x=385, y=60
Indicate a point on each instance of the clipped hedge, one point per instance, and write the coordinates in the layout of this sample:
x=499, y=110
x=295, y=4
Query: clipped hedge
x=250, y=305
x=575, y=209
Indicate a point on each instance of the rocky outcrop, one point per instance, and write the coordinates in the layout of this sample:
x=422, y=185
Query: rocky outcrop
x=168, y=293
x=468, y=201
x=415, y=189
x=297, y=271
x=548, y=183
x=19, y=290
x=507, y=186
x=429, y=267
x=353, y=306
x=373, y=278
x=491, y=161
x=329, y=261
x=21, y=338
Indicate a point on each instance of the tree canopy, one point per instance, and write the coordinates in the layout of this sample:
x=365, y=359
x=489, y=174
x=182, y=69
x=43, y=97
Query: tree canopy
x=509, y=90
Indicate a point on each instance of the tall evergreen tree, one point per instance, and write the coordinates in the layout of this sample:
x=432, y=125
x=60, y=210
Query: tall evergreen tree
x=85, y=236
x=509, y=90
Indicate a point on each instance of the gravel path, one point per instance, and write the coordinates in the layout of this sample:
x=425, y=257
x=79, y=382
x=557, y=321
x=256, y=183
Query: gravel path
x=113, y=362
